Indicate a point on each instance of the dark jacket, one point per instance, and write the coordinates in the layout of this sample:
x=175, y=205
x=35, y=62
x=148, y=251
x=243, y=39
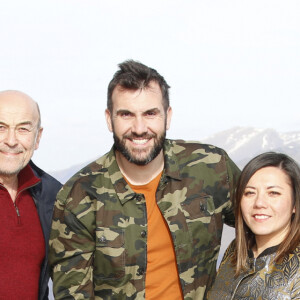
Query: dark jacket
x=263, y=280
x=44, y=194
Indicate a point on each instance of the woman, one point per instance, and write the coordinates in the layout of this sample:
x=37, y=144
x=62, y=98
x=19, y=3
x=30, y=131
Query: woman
x=263, y=262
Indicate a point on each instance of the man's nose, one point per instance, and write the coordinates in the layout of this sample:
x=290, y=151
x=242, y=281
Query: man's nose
x=139, y=125
x=11, y=137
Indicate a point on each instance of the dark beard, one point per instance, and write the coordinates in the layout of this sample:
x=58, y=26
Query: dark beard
x=158, y=146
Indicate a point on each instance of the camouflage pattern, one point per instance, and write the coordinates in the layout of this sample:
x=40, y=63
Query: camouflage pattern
x=264, y=280
x=98, y=244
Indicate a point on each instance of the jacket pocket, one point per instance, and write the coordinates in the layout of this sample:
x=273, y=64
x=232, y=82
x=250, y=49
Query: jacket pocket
x=204, y=225
x=110, y=253
x=199, y=207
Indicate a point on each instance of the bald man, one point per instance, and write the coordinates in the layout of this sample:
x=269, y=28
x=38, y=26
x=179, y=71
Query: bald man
x=27, y=195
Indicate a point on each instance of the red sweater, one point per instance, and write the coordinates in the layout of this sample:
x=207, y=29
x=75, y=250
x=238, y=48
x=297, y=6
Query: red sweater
x=22, y=246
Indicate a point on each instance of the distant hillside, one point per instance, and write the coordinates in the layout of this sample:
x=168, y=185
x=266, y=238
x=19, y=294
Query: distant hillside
x=243, y=143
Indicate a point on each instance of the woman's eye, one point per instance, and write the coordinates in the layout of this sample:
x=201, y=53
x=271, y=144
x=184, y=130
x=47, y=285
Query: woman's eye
x=248, y=193
x=274, y=193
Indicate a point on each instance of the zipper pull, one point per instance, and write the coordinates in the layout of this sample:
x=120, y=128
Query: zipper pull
x=18, y=214
x=17, y=210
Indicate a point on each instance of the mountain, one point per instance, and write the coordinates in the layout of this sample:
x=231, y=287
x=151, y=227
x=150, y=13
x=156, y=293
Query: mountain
x=243, y=143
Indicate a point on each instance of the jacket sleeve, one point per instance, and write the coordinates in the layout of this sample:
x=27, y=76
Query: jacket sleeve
x=295, y=285
x=72, y=245
x=233, y=174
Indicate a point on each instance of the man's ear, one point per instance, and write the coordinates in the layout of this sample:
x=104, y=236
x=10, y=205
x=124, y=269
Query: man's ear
x=169, y=117
x=38, y=138
x=108, y=120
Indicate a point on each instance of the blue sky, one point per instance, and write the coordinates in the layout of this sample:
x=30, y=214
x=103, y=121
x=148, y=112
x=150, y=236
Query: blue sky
x=229, y=63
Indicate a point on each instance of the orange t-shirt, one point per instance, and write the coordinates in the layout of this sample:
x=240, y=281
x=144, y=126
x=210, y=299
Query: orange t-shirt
x=162, y=280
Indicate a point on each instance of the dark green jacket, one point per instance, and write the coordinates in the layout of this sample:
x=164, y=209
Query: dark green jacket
x=98, y=244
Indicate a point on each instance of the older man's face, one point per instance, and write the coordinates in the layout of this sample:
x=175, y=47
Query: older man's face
x=19, y=132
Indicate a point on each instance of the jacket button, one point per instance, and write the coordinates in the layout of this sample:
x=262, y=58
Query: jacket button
x=102, y=239
x=143, y=234
x=140, y=271
x=138, y=197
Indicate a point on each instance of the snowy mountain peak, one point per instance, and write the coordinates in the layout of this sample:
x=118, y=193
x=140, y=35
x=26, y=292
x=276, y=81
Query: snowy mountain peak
x=243, y=143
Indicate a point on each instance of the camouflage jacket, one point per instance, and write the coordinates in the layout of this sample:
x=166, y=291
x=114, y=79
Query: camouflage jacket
x=98, y=244
x=264, y=280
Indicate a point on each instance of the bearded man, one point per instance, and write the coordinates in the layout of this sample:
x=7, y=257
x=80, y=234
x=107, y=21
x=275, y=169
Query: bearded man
x=145, y=220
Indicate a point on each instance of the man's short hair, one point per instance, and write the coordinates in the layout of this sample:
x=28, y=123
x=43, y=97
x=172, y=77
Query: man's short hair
x=133, y=76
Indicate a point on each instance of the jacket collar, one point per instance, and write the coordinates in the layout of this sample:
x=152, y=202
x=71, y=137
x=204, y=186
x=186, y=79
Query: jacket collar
x=266, y=252
x=123, y=190
x=27, y=178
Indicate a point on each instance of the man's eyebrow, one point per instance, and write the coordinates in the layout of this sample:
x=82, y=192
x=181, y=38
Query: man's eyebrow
x=121, y=111
x=151, y=110
x=19, y=124
x=25, y=123
x=155, y=109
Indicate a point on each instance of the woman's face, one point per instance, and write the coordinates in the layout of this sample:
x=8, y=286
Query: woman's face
x=267, y=205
